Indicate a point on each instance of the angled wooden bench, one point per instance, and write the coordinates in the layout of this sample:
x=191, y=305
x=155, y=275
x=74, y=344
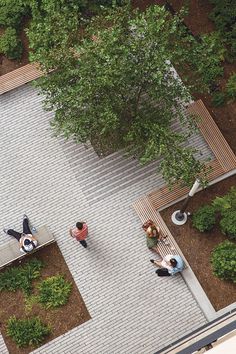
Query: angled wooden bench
x=162, y=197
x=213, y=136
x=145, y=211
x=10, y=251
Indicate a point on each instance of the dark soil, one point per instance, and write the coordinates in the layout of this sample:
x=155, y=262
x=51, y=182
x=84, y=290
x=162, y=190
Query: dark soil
x=197, y=246
x=62, y=319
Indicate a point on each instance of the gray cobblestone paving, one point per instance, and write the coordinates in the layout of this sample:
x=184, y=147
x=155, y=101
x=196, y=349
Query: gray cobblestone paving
x=133, y=311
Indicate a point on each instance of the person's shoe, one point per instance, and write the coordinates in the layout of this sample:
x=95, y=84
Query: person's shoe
x=25, y=217
x=152, y=260
x=5, y=230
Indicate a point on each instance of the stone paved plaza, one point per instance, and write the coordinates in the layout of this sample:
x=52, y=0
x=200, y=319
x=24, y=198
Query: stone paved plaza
x=56, y=183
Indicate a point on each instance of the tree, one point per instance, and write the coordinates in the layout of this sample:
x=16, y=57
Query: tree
x=117, y=88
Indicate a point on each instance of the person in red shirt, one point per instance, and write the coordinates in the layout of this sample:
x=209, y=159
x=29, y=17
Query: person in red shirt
x=80, y=232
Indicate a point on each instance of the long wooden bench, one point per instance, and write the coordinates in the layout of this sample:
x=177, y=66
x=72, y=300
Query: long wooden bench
x=213, y=136
x=163, y=196
x=10, y=251
x=145, y=211
x=19, y=77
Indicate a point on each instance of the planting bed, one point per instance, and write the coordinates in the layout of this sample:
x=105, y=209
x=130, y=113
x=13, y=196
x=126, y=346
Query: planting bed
x=61, y=319
x=197, y=246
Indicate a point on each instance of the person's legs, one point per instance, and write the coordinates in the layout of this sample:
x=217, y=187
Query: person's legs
x=26, y=228
x=83, y=243
x=14, y=233
x=158, y=263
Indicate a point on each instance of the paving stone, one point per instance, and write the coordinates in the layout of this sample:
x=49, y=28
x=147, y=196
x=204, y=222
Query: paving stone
x=46, y=177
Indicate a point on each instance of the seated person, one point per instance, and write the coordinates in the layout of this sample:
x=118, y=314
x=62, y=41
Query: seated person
x=153, y=235
x=169, y=265
x=26, y=240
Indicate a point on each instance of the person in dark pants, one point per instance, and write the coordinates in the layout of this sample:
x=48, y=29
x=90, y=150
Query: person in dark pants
x=26, y=240
x=80, y=232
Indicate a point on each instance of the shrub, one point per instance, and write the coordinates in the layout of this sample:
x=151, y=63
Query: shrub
x=204, y=218
x=20, y=277
x=54, y=292
x=228, y=224
x=10, y=44
x=223, y=15
x=12, y=12
x=223, y=261
x=231, y=87
x=218, y=99
x=25, y=332
x=226, y=203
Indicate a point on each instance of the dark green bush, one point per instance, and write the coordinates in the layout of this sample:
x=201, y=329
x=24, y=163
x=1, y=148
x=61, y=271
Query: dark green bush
x=223, y=15
x=12, y=12
x=228, y=224
x=21, y=277
x=204, y=218
x=218, y=99
x=54, y=292
x=30, y=331
x=223, y=261
x=10, y=44
x=231, y=87
x=226, y=203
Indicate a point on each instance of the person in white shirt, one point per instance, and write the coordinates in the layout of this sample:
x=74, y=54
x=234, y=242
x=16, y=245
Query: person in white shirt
x=169, y=265
x=26, y=240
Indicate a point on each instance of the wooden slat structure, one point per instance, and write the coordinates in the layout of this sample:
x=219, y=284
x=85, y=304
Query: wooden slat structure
x=213, y=136
x=19, y=77
x=225, y=161
x=163, y=196
x=145, y=211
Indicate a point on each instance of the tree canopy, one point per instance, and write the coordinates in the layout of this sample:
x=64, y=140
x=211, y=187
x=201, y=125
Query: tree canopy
x=114, y=84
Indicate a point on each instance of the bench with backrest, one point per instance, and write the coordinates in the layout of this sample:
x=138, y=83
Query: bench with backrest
x=10, y=250
x=145, y=211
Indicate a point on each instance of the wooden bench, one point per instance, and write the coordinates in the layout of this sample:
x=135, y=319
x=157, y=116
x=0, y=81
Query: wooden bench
x=213, y=136
x=19, y=77
x=145, y=211
x=10, y=251
x=161, y=197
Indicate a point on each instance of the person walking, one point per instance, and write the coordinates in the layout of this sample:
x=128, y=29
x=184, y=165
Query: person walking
x=80, y=232
x=169, y=265
x=26, y=240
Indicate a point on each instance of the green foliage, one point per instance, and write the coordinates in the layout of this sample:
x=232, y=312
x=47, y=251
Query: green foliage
x=218, y=99
x=12, y=12
x=207, y=57
x=204, y=218
x=226, y=203
x=231, y=87
x=226, y=206
x=224, y=261
x=54, y=292
x=228, y=224
x=10, y=44
x=223, y=15
x=118, y=89
x=26, y=332
x=20, y=277
x=61, y=20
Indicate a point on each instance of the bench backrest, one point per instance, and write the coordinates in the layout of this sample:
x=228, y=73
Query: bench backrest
x=10, y=251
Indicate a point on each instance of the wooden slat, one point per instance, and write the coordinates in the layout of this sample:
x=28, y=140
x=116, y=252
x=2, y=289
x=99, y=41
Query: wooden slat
x=213, y=136
x=163, y=196
x=145, y=211
x=19, y=77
